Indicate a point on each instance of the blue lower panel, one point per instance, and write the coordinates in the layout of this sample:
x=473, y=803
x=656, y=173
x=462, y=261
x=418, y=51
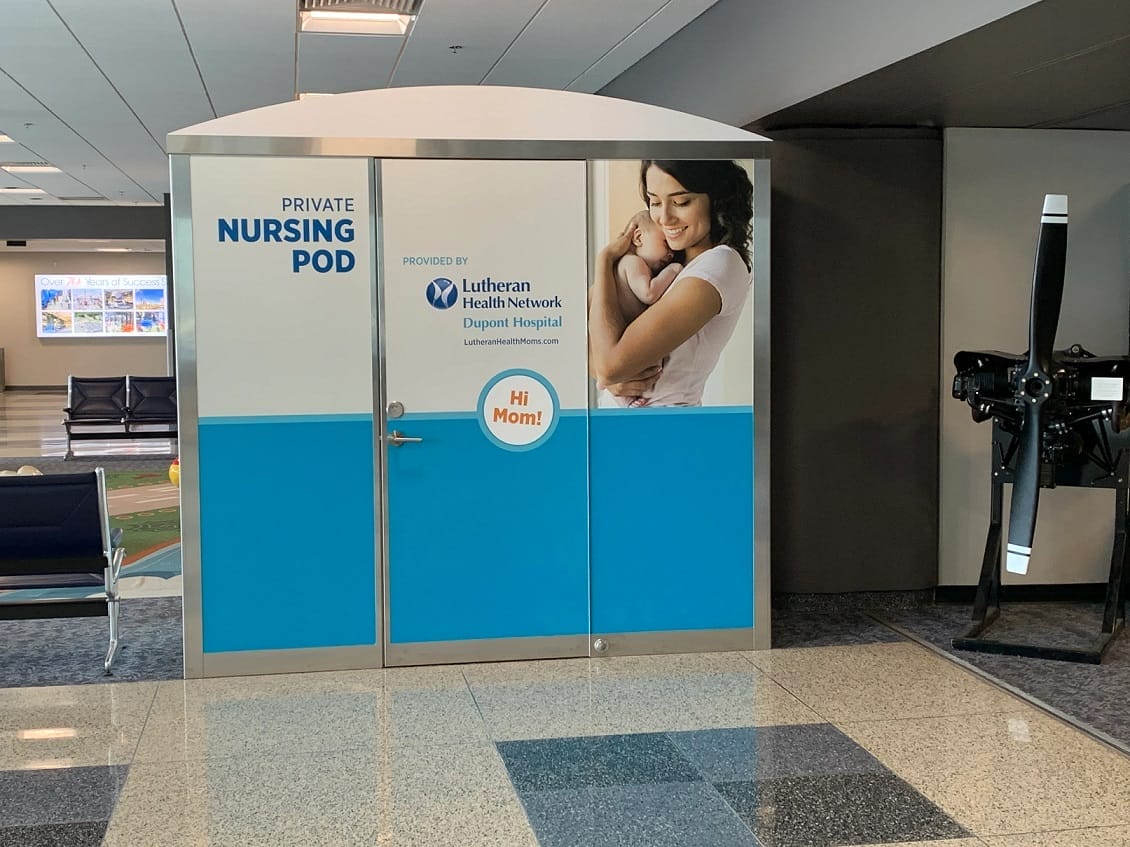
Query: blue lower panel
x=286, y=523
x=486, y=542
x=672, y=520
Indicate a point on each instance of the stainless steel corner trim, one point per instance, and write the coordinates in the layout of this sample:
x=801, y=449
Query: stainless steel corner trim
x=380, y=415
x=676, y=641
x=762, y=549
x=591, y=239
x=188, y=414
x=462, y=148
x=252, y=662
x=487, y=650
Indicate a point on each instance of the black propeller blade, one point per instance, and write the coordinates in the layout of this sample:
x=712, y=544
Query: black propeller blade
x=1034, y=387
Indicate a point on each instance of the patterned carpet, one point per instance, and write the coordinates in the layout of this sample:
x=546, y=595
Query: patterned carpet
x=81, y=464
x=70, y=651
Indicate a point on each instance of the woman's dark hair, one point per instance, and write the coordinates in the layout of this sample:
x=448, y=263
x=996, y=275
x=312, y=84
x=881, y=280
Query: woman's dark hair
x=731, y=196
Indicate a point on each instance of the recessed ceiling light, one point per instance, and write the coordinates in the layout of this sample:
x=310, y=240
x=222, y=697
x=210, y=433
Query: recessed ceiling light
x=354, y=23
x=5, y=139
x=111, y=249
x=31, y=169
x=22, y=191
x=47, y=733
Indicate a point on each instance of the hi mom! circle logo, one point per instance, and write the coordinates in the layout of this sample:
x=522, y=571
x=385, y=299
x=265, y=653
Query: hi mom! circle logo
x=518, y=410
x=442, y=293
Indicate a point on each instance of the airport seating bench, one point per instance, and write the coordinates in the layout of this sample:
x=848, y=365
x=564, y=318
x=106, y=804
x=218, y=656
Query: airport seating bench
x=55, y=533
x=112, y=407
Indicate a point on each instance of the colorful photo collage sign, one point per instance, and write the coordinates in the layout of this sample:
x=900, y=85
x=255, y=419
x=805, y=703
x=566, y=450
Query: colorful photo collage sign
x=85, y=306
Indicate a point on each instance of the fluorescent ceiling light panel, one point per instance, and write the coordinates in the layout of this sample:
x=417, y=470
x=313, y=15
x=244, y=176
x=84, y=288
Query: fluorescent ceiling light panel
x=22, y=191
x=354, y=23
x=5, y=139
x=302, y=95
x=111, y=249
x=47, y=733
x=31, y=169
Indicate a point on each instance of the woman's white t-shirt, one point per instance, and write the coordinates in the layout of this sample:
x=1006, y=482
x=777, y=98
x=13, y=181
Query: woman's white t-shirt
x=691, y=363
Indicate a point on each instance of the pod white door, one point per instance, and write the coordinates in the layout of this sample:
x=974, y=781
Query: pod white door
x=483, y=292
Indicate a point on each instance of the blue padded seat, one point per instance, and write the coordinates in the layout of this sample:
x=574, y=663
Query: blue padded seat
x=55, y=533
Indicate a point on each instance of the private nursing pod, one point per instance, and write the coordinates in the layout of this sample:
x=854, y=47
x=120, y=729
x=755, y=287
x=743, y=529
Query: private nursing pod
x=393, y=448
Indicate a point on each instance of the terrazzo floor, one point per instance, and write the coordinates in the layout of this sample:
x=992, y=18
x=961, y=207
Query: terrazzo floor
x=882, y=743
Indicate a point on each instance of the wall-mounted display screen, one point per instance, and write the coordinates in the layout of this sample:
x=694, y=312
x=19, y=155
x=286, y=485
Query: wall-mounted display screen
x=70, y=306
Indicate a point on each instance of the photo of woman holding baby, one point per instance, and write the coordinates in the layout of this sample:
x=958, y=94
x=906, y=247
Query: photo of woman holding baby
x=669, y=290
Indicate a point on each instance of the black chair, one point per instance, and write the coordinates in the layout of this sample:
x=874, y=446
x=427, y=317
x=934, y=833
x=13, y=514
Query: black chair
x=151, y=400
x=55, y=533
x=97, y=401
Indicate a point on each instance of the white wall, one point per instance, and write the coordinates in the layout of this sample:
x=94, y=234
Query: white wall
x=48, y=361
x=995, y=181
x=743, y=59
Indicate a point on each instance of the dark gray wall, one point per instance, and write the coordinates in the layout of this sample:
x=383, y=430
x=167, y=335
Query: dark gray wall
x=856, y=250
x=24, y=222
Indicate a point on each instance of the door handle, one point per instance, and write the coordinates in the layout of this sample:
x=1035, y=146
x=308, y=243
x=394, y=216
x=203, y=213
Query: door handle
x=396, y=438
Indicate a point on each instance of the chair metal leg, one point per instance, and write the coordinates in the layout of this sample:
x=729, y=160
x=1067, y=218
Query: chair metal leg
x=112, y=614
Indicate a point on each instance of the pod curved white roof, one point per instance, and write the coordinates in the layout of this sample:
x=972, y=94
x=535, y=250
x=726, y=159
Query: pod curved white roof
x=464, y=121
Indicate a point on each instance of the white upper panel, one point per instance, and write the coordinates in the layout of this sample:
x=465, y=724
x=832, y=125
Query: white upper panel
x=473, y=113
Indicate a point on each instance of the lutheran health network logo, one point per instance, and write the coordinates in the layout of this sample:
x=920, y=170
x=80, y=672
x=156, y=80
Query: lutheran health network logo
x=442, y=293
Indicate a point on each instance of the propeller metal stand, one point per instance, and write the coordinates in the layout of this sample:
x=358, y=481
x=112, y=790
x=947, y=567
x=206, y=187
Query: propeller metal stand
x=1114, y=473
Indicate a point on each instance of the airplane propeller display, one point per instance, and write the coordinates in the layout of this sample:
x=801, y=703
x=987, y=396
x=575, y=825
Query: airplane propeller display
x=1054, y=405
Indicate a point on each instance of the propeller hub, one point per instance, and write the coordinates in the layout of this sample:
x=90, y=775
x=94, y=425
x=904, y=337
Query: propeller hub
x=1034, y=387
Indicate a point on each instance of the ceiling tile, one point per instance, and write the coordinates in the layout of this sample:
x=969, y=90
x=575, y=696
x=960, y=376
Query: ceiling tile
x=1046, y=95
x=672, y=17
x=39, y=53
x=331, y=64
x=565, y=38
x=142, y=50
x=245, y=49
x=1116, y=116
x=50, y=140
x=58, y=185
x=483, y=30
x=12, y=152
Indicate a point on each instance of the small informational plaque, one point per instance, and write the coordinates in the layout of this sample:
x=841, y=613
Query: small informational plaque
x=1107, y=388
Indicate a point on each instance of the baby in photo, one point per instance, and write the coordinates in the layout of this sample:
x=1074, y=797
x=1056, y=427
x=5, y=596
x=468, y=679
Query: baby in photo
x=642, y=275
x=646, y=271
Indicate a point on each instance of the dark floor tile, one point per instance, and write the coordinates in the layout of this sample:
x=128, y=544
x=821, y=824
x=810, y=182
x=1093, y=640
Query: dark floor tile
x=87, y=834
x=734, y=755
x=841, y=809
x=59, y=795
x=674, y=814
x=604, y=760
